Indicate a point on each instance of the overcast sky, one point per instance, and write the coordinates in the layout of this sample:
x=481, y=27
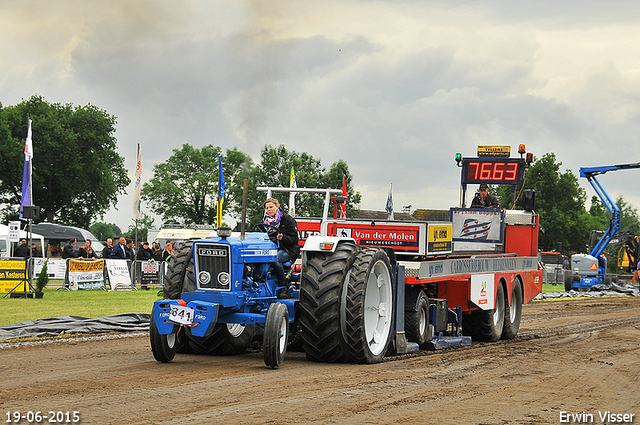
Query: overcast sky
x=394, y=88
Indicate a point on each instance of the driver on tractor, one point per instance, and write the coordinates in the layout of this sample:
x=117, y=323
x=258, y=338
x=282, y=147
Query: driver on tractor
x=283, y=231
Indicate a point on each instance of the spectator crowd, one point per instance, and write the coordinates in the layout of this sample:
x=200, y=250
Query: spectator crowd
x=123, y=250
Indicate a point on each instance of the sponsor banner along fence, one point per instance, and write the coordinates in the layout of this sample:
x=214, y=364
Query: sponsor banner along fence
x=83, y=274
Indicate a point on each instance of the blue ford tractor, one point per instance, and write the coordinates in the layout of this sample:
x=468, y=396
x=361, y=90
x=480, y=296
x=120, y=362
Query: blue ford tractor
x=219, y=292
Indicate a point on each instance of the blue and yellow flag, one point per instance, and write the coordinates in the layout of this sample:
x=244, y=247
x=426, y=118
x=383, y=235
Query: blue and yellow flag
x=221, y=188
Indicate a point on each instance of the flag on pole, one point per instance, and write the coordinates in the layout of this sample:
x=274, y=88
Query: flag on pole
x=137, y=186
x=389, y=206
x=27, y=184
x=221, y=187
x=343, y=205
x=292, y=195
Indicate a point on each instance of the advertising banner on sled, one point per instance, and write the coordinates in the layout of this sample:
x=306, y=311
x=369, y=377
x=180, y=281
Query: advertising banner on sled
x=85, y=274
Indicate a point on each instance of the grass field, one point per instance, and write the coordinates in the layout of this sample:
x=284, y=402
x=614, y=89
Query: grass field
x=94, y=304
x=75, y=303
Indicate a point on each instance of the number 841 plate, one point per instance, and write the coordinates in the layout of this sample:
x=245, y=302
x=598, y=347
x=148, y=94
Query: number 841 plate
x=181, y=315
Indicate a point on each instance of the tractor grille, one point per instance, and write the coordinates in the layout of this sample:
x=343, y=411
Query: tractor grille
x=213, y=266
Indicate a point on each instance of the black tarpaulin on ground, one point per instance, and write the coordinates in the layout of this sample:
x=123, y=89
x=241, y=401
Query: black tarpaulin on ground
x=623, y=288
x=128, y=322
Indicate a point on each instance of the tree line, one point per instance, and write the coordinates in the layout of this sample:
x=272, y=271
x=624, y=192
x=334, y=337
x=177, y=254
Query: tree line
x=184, y=188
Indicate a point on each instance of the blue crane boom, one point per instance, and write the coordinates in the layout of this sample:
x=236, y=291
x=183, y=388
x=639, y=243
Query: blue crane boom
x=593, y=266
x=591, y=173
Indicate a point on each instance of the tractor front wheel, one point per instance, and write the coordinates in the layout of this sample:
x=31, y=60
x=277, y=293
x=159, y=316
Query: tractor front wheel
x=276, y=334
x=163, y=346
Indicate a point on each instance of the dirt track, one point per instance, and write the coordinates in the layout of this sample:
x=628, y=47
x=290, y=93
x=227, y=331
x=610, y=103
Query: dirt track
x=570, y=356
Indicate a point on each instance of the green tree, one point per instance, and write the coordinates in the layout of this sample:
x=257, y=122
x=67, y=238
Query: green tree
x=274, y=170
x=184, y=188
x=629, y=220
x=559, y=200
x=77, y=172
x=103, y=231
x=145, y=223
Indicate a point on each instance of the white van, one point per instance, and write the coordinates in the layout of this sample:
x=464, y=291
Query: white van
x=5, y=246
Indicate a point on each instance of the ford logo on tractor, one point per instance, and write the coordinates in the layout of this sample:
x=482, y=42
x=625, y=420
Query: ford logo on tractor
x=212, y=252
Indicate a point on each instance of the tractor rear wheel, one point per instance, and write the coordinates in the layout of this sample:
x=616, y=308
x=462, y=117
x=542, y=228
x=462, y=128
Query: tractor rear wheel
x=180, y=276
x=163, y=346
x=369, y=306
x=486, y=325
x=322, y=303
x=276, y=334
x=513, y=312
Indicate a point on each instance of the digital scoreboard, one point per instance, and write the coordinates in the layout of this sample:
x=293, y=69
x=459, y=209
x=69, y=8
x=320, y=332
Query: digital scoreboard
x=493, y=170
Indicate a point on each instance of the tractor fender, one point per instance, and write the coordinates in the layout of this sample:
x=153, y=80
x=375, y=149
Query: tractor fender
x=324, y=243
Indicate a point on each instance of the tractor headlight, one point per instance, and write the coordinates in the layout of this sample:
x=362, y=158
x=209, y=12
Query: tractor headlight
x=224, y=232
x=224, y=279
x=204, y=278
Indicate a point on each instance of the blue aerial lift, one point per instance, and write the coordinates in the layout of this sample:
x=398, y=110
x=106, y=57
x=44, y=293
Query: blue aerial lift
x=590, y=269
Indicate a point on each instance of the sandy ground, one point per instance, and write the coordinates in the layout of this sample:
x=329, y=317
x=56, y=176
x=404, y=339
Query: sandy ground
x=577, y=357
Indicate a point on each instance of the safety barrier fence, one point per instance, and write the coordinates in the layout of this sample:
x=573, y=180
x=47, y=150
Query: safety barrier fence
x=76, y=274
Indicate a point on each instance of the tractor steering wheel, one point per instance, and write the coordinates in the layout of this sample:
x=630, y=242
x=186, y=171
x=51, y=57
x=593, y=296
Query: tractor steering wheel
x=266, y=228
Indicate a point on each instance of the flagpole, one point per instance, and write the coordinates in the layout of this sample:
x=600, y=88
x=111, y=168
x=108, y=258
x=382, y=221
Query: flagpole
x=136, y=198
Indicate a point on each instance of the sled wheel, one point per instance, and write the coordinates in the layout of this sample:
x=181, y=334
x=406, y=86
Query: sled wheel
x=163, y=346
x=276, y=333
x=369, y=306
x=416, y=321
x=486, y=325
x=513, y=312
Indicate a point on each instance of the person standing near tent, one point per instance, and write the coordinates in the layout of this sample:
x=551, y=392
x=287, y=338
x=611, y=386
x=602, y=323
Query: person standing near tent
x=22, y=250
x=86, y=252
x=68, y=251
x=120, y=251
x=108, y=249
x=168, y=251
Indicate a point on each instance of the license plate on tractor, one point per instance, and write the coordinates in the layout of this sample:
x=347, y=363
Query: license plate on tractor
x=181, y=315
